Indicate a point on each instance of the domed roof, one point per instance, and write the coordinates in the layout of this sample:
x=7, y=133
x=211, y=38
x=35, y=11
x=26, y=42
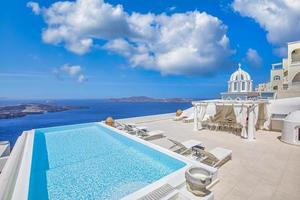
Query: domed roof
x=240, y=75
x=293, y=116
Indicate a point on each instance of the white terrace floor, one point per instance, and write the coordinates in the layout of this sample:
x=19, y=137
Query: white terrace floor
x=263, y=169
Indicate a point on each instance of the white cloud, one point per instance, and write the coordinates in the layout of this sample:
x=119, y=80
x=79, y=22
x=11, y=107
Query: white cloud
x=281, y=51
x=34, y=6
x=71, y=70
x=186, y=43
x=74, y=71
x=253, y=58
x=172, y=8
x=81, y=78
x=280, y=18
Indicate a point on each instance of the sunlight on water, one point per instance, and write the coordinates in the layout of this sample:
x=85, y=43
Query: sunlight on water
x=88, y=161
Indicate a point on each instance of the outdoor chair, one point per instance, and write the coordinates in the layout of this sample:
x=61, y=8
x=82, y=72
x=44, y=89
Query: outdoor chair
x=215, y=157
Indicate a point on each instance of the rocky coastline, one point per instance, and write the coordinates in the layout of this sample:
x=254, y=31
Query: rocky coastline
x=16, y=111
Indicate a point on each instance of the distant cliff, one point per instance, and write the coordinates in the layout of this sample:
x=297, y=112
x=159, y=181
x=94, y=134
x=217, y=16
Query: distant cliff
x=149, y=99
x=7, y=112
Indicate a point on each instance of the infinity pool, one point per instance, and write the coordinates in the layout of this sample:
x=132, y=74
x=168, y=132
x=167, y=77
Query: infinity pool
x=89, y=161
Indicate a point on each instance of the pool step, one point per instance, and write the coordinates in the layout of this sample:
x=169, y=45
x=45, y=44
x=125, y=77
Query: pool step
x=159, y=193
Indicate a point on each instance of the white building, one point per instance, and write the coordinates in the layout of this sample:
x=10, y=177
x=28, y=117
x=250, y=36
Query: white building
x=285, y=76
x=240, y=86
x=291, y=128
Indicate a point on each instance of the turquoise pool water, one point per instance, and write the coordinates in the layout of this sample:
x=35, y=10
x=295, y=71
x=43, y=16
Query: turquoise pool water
x=89, y=161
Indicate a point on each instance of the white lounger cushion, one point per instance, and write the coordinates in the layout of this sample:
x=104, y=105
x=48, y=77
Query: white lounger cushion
x=216, y=157
x=142, y=128
x=151, y=135
x=183, y=147
x=220, y=153
x=191, y=143
x=156, y=132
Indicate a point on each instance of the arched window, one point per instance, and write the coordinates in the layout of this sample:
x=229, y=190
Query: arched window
x=275, y=87
x=242, y=77
x=235, y=86
x=276, y=78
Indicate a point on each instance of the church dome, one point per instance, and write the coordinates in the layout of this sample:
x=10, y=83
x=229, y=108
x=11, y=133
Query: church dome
x=240, y=81
x=240, y=75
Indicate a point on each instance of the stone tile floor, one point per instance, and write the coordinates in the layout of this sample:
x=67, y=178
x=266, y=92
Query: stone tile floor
x=262, y=169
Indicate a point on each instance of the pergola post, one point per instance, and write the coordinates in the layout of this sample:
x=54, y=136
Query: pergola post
x=251, y=124
x=195, y=117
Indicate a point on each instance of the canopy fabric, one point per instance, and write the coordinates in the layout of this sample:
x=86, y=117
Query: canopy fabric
x=219, y=114
x=224, y=113
x=201, y=111
x=268, y=114
x=229, y=114
x=211, y=110
x=241, y=118
x=249, y=114
x=262, y=116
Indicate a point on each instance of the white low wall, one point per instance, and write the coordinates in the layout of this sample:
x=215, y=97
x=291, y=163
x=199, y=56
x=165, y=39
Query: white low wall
x=284, y=106
x=10, y=171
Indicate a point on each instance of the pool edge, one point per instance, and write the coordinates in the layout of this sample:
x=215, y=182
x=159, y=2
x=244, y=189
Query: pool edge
x=21, y=187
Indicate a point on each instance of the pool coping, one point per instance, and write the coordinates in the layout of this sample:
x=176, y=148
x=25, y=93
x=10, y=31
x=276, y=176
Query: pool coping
x=21, y=188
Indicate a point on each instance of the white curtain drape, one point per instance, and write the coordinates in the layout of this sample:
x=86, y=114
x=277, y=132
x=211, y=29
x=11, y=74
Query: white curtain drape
x=210, y=110
x=240, y=112
x=195, y=117
x=252, y=119
x=237, y=112
x=255, y=120
x=267, y=123
x=201, y=114
x=243, y=121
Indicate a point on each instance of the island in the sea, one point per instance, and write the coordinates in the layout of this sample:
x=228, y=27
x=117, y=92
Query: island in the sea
x=8, y=112
x=149, y=99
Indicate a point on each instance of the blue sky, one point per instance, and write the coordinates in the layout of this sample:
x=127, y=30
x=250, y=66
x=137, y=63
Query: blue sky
x=120, y=56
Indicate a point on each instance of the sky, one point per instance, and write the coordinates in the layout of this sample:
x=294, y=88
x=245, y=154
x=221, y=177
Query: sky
x=160, y=48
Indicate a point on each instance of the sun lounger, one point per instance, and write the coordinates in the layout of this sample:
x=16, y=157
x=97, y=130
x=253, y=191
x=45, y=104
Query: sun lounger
x=119, y=125
x=215, y=157
x=189, y=119
x=130, y=128
x=162, y=192
x=179, y=118
x=184, y=147
x=188, y=113
x=150, y=135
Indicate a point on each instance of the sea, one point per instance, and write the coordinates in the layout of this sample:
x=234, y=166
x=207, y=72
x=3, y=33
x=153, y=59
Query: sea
x=96, y=110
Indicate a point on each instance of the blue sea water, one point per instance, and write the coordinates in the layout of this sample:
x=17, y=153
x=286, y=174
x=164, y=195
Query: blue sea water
x=98, y=110
x=89, y=161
